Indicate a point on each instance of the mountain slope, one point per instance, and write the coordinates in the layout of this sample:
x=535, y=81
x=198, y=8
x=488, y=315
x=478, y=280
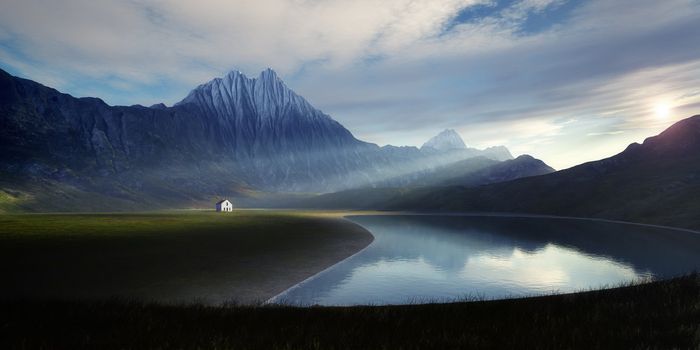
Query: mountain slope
x=262, y=116
x=65, y=153
x=520, y=167
x=227, y=137
x=470, y=172
x=656, y=182
x=275, y=141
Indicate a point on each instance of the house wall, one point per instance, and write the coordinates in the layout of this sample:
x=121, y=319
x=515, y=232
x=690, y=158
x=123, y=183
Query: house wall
x=224, y=207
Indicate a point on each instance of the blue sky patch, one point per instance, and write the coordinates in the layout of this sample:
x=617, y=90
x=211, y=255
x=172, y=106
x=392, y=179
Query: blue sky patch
x=533, y=22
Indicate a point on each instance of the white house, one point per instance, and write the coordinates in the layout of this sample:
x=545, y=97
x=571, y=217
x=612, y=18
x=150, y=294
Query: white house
x=224, y=205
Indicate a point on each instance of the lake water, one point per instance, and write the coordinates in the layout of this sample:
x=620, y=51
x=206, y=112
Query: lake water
x=419, y=258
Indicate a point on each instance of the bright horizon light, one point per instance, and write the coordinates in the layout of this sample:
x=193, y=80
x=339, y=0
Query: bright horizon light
x=662, y=110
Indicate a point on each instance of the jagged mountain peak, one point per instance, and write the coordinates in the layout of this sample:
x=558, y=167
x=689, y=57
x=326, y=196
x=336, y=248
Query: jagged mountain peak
x=446, y=140
x=236, y=79
x=265, y=96
x=268, y=73
x=231, y=75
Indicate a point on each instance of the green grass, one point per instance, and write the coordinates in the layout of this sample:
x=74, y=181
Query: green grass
x=136, y=224
x=658, y=315
x=245, y=256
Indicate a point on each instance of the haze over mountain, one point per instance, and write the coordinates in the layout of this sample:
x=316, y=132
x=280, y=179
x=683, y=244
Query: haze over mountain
x=657, y=181
x=446, y=140
x=226, y=137
x=473, y=171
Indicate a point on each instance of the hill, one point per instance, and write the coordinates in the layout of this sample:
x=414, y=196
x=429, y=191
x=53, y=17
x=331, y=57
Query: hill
x=469, y=172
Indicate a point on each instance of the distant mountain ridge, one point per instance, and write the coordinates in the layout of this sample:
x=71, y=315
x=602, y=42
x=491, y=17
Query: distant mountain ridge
x=472, y=171
x=656, y=182
x=227, y=137
x=446, y=140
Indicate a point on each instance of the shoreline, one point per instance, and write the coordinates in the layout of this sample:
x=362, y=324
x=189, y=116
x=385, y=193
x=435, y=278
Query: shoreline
x=273, y=299
x=535, y=216
x=281, y=267
x=278, y=299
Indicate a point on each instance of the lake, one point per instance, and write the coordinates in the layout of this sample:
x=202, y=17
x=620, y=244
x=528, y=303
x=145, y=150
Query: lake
x=425, y=258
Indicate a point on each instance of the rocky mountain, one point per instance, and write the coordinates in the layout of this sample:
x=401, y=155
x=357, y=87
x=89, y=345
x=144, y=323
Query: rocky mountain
x=225, y=138
x=271, y=128
x=444, y=141
x=262, y=117
x=283, y=142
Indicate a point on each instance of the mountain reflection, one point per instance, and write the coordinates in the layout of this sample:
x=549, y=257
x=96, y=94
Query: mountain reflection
x=420, y=257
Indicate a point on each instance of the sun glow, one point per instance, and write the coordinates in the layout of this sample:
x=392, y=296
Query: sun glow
x=662, y=110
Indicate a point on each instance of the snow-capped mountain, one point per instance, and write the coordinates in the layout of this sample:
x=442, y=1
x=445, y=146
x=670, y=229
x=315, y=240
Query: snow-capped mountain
x=261, y=116
x=444, y=141
x=235, y=95
x=262, y=119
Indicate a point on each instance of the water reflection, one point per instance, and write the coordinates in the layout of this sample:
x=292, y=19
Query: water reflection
x=418, y=258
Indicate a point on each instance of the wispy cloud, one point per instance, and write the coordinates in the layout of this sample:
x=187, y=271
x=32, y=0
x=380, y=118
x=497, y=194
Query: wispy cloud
x=515, y=72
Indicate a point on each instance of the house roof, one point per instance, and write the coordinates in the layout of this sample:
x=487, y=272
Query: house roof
x=223, y=200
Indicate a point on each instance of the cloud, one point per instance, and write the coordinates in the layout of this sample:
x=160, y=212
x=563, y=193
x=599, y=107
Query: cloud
x=145, y=40
x=395, y=72
x=604, y=69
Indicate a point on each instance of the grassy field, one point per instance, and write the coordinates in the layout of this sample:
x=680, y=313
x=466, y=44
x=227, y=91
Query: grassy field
x=245, y=256
x=660, y=315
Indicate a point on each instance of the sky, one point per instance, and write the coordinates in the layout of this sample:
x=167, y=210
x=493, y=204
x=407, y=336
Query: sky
x=567, y=81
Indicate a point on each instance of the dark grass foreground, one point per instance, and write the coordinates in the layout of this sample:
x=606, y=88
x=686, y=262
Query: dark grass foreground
x=663, y=314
